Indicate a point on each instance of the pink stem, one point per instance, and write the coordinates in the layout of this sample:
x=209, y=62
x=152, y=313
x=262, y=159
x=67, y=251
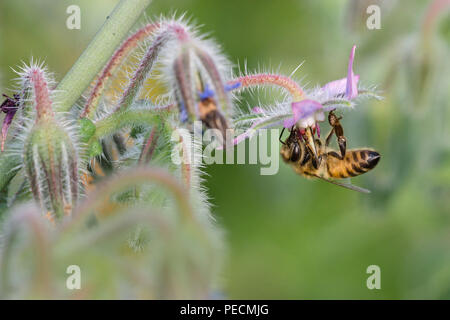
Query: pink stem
x=146, y=63
x=434, y=9
x=272, y=79
x=42, y=100
x=149, y=147
x=127, y=178
x=127, y=46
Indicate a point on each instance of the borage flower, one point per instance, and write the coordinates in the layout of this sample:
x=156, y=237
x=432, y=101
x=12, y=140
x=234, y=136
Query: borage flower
x=307, y=113
x=305, y=110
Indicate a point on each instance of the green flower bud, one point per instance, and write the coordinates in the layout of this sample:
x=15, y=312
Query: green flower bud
x=50, y=160
x=87, y=129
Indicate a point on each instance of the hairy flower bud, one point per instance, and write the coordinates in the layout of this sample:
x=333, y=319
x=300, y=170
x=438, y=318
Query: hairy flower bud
x=196, y=74
x=49, y=154
x=50, y=160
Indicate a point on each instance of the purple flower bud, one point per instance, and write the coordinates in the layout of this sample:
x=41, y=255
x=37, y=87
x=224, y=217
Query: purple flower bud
x=9, y=106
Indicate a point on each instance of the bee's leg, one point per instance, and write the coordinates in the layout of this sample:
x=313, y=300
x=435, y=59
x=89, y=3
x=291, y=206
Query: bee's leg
x=342, y=141
x=342, y=145
x=328, y=139
x=319, y=148
x=282, y=131
x=316, y=159
x=338, y=131
x=311, y=146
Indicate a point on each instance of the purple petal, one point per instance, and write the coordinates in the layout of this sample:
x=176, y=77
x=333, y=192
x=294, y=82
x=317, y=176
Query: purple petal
x=348, y=85
x=207, y=93
x=9, y=106
x=232, y=86
x=257, y=110
x=339, y=87
x=6, y=123
x=184, y=116
x=288, y=123
x=302, y=109
x=351, y=89
x=336, y=87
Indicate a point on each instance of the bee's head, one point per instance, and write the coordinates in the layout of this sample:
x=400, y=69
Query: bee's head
x=291, y=150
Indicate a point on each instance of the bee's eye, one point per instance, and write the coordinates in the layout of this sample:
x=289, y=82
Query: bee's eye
x=295, y=154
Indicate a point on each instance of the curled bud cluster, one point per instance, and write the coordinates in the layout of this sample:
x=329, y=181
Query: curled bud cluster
x=196, y=75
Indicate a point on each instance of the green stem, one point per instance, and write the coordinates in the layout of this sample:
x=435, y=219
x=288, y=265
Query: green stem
x=110, y=230
x=8, y=168
x=98, y=52
x=130, y=178
x=120, y=120
x=26, y=217
x=149, y=147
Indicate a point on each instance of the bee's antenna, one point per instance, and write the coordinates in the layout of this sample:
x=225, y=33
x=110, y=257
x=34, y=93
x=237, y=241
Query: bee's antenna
x=282, y=131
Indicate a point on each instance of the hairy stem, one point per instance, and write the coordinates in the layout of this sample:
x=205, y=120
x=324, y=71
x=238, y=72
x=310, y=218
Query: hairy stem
x=113, y=228
x=186, y=169
x=119, y=56
x=120, y=120
x=146, y=64
x=149, y=147
x=216, y=79
x=42, y=101
x=141, y=73
x=31, y=218
x=272, y=79
x=132, y=178
x=8, y=168
x=182, y=70
x=98, y=52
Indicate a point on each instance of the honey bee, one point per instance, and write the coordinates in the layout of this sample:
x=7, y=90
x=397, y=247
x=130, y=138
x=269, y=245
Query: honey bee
x=211, y=116
x=209, y=113
x=311, y=158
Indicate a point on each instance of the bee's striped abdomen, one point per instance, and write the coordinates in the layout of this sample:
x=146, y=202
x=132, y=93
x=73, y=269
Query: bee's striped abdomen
x=355, y=162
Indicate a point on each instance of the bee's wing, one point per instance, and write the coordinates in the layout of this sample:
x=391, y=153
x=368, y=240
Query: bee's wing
x=345, y=185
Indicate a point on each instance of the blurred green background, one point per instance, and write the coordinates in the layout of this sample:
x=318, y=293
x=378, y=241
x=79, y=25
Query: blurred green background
x=290, y=238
